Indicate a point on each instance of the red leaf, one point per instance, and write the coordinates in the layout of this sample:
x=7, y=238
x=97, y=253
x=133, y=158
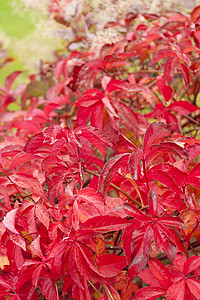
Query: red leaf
x=166, y=90
x=137, y=247
x=90, y=97
x=27, y=181
x=155, y=133
x=164, y=178
x=167, y=240
x=137, y=214
x=195, y=14
x=9, y=220
x=186, y=74
x=149, y=278
x=160, y=272
x=176, y=291
x=149, y=293
x=133, y=121
x=161, y=54
x=95, y=136
x=30, y=126
x=171, y=221
x=105, y=223
x=110, y=265
x=35, y=143
x=194, y=286
x=169, y=68
x=35, y=248
x=90, y=196
x=182, y=107
x=18, y=240
x=191, y=264
x=48, y=289
x=42, y=214
x=109, y=170
x=85, y=264
x=9, y=80
x=21, y=158
x=153, y=203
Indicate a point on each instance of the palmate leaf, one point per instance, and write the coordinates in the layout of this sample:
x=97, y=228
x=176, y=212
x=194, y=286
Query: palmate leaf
x=138, y=236
x=174, y=279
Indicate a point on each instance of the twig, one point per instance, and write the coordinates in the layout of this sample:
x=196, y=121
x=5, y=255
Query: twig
x=193, y=250
x=94, y=287
x=108, y=293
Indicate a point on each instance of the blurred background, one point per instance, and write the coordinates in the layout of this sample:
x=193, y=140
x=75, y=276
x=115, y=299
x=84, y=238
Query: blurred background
x=29, y=32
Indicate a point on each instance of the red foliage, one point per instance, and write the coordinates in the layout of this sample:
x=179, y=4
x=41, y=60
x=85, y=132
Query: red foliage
x=99, y=169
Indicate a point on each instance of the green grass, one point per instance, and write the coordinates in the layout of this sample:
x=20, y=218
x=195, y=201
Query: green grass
x=15, y=26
